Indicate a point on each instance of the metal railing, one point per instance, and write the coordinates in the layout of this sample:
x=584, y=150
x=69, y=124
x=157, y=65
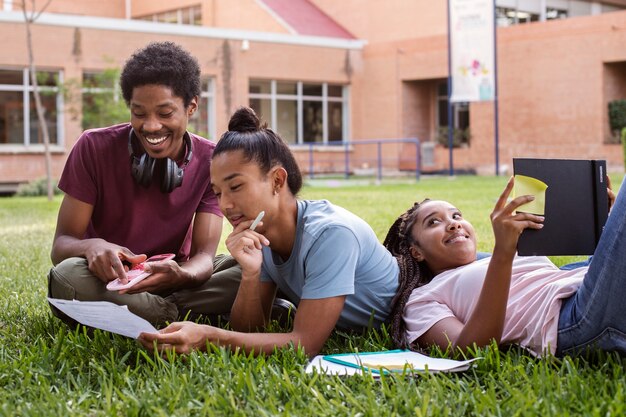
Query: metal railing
x=349, y=147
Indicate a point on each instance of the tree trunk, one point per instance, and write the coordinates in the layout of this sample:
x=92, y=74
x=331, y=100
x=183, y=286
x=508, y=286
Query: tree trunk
x=43, y=125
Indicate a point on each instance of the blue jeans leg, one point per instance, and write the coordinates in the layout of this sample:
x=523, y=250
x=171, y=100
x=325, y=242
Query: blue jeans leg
x=595, y=317
x=576, y=265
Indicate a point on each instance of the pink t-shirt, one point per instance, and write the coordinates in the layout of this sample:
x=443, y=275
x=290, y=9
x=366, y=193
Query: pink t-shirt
x=144, y=220
x=532, y=315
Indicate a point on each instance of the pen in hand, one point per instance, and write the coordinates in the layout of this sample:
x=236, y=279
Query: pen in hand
x=256, y=221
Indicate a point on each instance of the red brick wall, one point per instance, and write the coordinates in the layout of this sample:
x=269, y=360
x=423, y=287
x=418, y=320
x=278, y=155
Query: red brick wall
x=553, y=87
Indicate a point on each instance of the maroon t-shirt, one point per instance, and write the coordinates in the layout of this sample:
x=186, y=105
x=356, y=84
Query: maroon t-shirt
x=144, y=220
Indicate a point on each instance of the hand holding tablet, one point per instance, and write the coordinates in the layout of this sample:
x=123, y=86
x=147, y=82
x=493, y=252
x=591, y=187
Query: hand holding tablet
x=137, y=274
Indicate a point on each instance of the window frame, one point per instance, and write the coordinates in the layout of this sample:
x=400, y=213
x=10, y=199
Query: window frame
x=193, y=13
x=300, y=98
x=457, y=108
x=461, y=135
x=209, y=95
x=510, y=13
x=26, y=89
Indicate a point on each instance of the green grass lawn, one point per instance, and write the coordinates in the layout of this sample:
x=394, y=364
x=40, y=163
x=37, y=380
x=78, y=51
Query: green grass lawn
x=47, y=369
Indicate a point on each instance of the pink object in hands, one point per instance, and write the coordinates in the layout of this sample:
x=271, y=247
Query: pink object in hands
x=136, y=274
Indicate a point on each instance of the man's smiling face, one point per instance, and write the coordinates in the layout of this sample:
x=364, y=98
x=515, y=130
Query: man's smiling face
x=159, y=119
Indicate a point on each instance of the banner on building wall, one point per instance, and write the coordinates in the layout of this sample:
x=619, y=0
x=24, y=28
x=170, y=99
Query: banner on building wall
x=472, y=54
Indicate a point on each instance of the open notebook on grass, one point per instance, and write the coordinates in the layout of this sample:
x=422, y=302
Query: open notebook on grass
x=391, y=361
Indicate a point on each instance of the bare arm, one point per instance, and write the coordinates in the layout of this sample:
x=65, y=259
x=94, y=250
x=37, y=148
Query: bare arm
x=252, y=307
x=72, y=222
x=486, y=322
x=313, y=324
x=487, y=319
x=207, y=230
x=104, y=258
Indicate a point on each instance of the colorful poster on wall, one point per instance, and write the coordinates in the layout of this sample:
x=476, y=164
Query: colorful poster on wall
x=472, y=50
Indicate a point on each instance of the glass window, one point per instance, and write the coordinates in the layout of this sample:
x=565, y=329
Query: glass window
x=202, y=122
x=199, y=121
x=46, y=78
x=186, y=17
x=11, y=117
x=182, y=16
x=107, y=79
x=191, y=16
x=335, y=122
x=287, y=88
x=312, y=90
x=49, y=104
x=552, y=13
x=262, y=107
x=260, y=87
x=168, y=17
x=19, y=124
x=287, y=120
x=506, y=16
x=442, y=111
x=312, y=123
x=335, y=90
x=11, y=77
x=196, y=13
x=460, y=118
x=102, y=102
x=206, y=84
x=461, y=115
x=304, y=112
x=89, y=80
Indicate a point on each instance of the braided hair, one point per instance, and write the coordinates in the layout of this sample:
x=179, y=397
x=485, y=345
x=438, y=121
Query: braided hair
x=413, y=274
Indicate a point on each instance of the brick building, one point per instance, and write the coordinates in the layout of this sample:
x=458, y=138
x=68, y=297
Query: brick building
x=325, y=71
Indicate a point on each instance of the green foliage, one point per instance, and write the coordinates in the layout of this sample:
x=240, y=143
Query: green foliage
x=47, y=78
x=37, y=187
x=49, y=369
x=97, y=99
x=102, y=102
x=617, y=115
x=460, y=137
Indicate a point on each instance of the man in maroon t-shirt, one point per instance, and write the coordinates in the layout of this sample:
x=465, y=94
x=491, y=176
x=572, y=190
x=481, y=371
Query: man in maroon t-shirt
x=141, y=189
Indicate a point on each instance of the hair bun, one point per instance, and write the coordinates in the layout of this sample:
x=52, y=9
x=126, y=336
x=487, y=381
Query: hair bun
x=244, y=120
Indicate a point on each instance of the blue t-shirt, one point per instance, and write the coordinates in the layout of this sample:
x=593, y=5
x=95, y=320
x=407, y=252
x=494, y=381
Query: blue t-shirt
x=336, y=253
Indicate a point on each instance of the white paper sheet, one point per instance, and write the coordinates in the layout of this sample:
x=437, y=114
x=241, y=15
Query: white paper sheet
x=391, y=360
x=324, y=367
x=105, y=315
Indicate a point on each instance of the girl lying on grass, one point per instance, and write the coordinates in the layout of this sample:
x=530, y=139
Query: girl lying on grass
x=325, y=259
x=448, y=298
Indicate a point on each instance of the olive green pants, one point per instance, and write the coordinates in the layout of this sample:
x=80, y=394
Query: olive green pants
x=72, y=280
